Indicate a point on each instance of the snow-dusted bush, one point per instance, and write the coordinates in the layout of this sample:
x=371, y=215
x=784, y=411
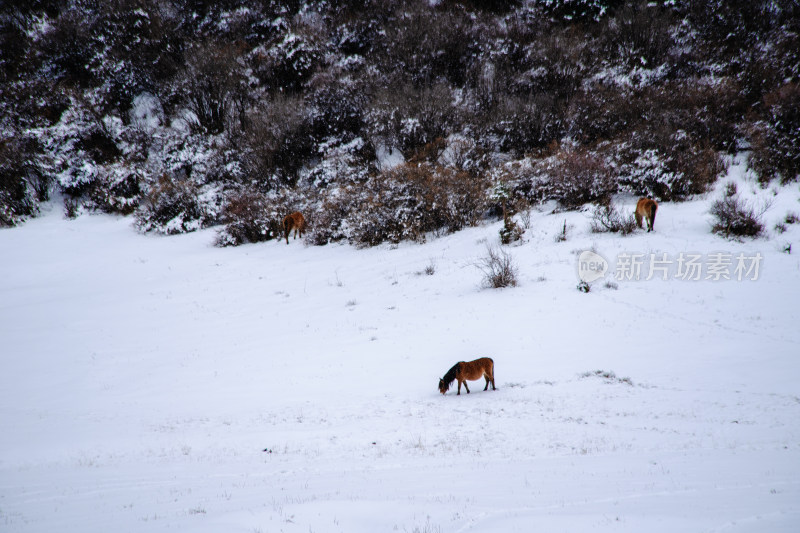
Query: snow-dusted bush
x=276, y=142
x=519, y=125
x=24, y=181
x=413, y=199
x=341, y=163
x=336, y=106
x=331, y=213
x=666, y=165
x=117, y=190
x=408, y=118
x=249, y=217
x=576, y=177
x=735, y=217
x=172, y=206
x=608, y=219
x=288, y=64
x=776, y=139
x=577, y=10
x=499, y=269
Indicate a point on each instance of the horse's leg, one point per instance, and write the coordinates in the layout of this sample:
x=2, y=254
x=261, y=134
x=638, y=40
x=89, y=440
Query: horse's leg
x=465, y=386
x=486, y=376
x=459, y=388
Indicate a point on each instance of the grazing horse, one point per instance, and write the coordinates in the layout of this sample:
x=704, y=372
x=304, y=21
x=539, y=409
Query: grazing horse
x=295, y=222
x=474, y=370
x=646, y=208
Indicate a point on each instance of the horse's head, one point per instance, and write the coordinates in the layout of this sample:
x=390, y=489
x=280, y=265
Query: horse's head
x=443, y=386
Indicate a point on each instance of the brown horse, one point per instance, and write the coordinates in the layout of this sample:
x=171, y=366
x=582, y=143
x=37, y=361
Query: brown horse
x=474, y=370
x=295, y=222
x=646, y=208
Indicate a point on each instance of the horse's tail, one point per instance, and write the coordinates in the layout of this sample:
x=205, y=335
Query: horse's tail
x=287, y=226
x=653, y=209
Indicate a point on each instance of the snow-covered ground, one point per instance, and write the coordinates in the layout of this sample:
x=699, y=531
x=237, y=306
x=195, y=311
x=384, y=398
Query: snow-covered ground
x=159, y=383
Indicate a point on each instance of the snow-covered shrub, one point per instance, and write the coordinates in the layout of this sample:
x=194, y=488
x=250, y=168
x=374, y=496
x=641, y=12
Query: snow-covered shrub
x=602, y=112
x=649, y=175
x=776, y=139
x=735, y=217
x=411, y=200
x=117, y=190
x=196, y=157
x=408, y=118
x=523, y=179
x=341, y=162
x=576, y=177
x=249, y=217
x=287, y=65
x=608, y=219
x=336, y=106
x=172, y=206
x=639, y=33
x=665, y=165
x=276, y=142
x=210, y=84
x=24, y=182
x=519, y=125
x=499, y=269
x=331, y=213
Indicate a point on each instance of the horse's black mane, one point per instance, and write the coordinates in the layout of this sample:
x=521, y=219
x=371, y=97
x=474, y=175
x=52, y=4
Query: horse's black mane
x=451, y=375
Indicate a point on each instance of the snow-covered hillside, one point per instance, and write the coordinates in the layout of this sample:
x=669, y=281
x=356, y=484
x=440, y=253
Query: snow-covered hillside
x=160, y=383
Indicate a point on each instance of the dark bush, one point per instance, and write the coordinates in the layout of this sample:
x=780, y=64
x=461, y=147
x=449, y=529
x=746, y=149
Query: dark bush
x=411, y=200
x=520, y=125
x=171, y=207
x=608, y=219
x=735, y=217
x=249, y=217
x=276, y=142
x=498, y=269
x=577, y=177
x=776, y=139
x=640, y=32
x=336, y=107
x=288, y=64
x=23, y=181
x=117, y=195
x=409, y=118
x=665, y=164
x=602, y=112
x=211, y=82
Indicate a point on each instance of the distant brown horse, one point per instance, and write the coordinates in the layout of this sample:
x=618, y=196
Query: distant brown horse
x=646, y=208
x=474, y=370
x=295, y=222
